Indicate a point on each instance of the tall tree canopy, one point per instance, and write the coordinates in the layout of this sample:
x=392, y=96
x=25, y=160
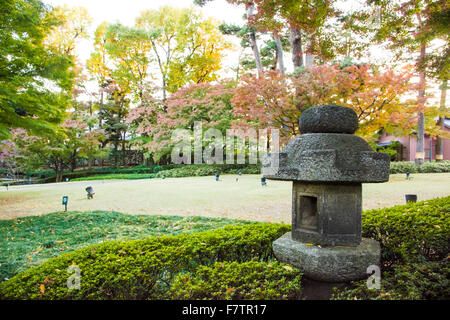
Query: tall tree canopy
x=186, y=47
x=35, y=80
x=409, y=28
x=273, y=101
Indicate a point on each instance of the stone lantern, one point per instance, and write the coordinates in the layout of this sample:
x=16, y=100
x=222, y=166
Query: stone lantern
x=327, y=165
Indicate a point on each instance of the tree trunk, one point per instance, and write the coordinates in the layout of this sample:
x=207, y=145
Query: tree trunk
x=442, y=109
x=253, y=42
x=279, y=53
x=124, y=151
x=420, y=149
x=59, y=172
x=164, y=88
x=296, y=47
x=73, y=164
x=56, y=173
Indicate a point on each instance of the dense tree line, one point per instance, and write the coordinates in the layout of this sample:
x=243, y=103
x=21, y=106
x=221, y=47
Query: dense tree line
x=163, y=73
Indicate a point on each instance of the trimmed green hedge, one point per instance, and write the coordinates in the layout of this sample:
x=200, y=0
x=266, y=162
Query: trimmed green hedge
x=412, y=281
x=141, y=269
x=415, y=246
x=427, y=167
x=251, y=280
x=196, y=170
x=49, y=175
x=128, y=176
x=415, y=232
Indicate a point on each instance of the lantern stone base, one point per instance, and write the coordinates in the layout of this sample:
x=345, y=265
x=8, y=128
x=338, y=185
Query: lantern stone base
x=329, y=264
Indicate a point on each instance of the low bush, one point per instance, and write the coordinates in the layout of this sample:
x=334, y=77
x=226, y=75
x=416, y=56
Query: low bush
x=415, y=246
x=209, y=170
x=427, y=167
x=141, y=269
x=129, y=176
x=412, y=281
x=49, y=175
x=252, y=280
x=415, y=232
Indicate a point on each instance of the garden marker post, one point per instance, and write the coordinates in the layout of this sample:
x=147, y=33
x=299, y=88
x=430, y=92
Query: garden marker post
x=328, y=165
x=65, y=200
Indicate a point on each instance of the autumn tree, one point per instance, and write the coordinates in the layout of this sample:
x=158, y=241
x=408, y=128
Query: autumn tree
x=74, y=28
x=266, y=102
x=274, y=101
x=407, y=28
x=249, y=36
x=207, y=103
x=119, y=63
x=304, y=18
x=270, y=53
x=186, y=47
x=35, y=80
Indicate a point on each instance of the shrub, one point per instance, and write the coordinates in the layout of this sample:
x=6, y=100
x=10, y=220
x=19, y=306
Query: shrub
x=415, y=232
x=129, y=176
x=209, y=170
x=427, y=167
x=252, y=280
x=49, y=176
x=416, y=281
x=157, y=169
x=141, y=269
x=415, y=243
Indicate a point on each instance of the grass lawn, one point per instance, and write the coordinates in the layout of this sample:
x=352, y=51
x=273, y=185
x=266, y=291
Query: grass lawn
x=201, y=196
x=29, y=241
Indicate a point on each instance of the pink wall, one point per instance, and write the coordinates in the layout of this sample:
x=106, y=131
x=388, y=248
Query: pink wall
x=410, y=142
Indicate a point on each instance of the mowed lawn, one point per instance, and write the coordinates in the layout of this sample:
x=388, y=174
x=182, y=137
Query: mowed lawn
x=201, y=196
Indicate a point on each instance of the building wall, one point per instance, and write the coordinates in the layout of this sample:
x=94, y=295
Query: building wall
x=410, y=143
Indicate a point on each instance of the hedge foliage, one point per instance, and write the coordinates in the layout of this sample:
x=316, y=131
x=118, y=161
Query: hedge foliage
x=209, y=170
x=411, y=281
x=49, y=175
x=138, y=172
x=141, y=269
x=251, y=280
x=415, y=246
x=427, y=167
x=128, y=176
x=415, y=232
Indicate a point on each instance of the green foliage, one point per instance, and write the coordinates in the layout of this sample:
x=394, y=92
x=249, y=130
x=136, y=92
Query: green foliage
x=392, y=150
x=29, y=241
x=415, y=232
x=128, y=176
x=252, y=280
x=27, y=67
x=49, y=175
x=415, y=281
x=196, y=170
x=141, y=269
x=415, y=243
x=157, y=169
x=427, y=167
